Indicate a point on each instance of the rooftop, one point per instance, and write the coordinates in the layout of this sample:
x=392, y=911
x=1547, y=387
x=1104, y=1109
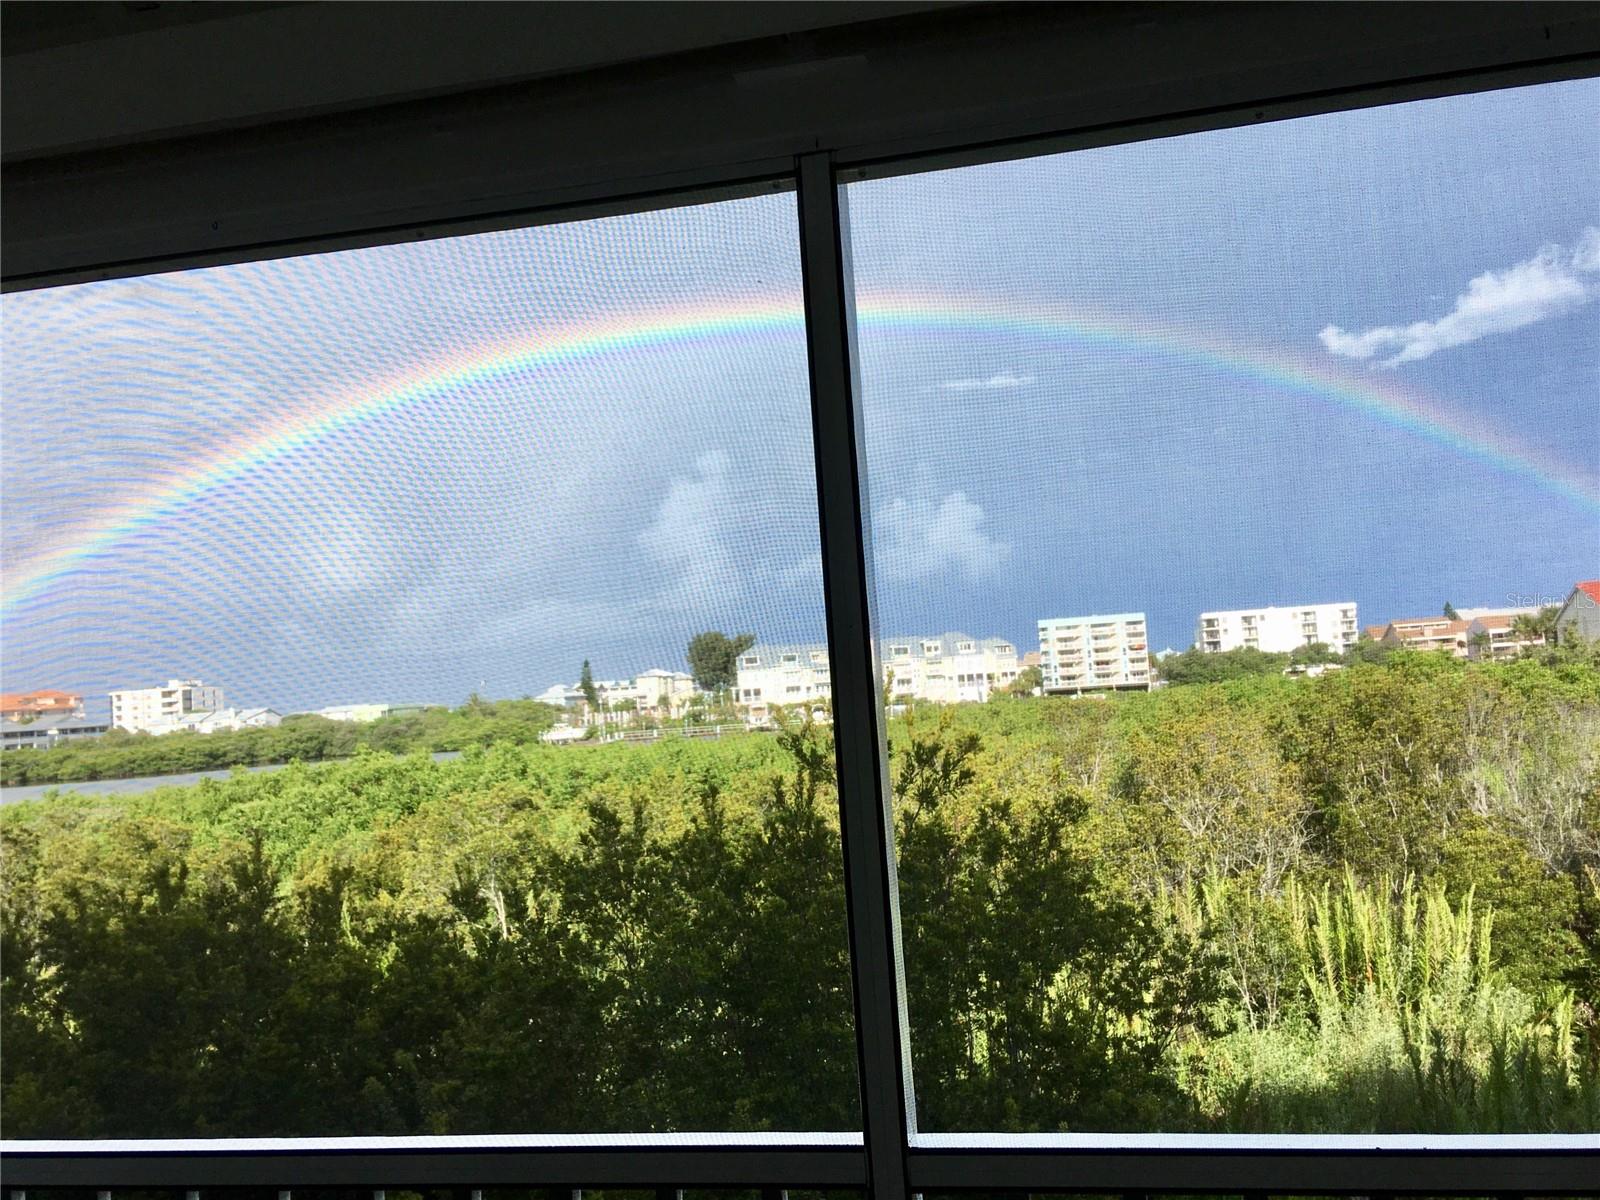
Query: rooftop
x=1096, y=618
x=64, y=723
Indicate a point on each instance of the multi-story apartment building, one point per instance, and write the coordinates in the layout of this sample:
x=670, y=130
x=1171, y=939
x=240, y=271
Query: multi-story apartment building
x=1495, y=636
x=25, y=706
x=655, y=693
x=770, y=676
x=162, y=709
x=1427, y=633
x=946, y=668
x=1094, y=653
x=1278, y=630
x=1455, y=634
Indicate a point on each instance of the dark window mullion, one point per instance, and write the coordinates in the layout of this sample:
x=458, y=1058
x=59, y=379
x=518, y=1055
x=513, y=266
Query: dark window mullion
x=866, y=829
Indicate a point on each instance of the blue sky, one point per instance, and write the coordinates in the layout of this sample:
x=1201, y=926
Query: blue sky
x=497, y=535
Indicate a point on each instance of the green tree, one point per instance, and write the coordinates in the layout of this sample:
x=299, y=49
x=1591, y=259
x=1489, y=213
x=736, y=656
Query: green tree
x=591, y=694
x=1382, y=752
x=1536, y=626
x=1203, y=791
x=1028, y=680
x=1041, y=1000
x=1450, y=613
x=1196, y=666
x=1115, y=915
x=1312, y=654
x=1367, y=650
x=714, y=658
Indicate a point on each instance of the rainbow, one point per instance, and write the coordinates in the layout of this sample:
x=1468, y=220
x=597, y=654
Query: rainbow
x=1381, y=400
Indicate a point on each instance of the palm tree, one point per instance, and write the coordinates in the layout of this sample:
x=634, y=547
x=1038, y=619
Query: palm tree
x=1536, y=626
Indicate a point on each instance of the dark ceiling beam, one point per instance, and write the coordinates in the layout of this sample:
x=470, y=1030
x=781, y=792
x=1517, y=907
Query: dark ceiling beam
x=144, y=72
x=923, y=83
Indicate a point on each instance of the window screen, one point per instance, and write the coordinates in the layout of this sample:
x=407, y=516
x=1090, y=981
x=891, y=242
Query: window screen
x=374, y=628
x=1273, y=455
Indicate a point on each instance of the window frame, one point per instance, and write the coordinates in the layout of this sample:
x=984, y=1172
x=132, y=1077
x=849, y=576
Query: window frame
x=888, y=1157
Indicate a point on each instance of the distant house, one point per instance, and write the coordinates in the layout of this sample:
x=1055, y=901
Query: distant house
x=1580, y=615
x=1427, y=633
x=361, y=713
x=563, y=733
x=1311, y=670
x=774, y=675
x=353, y=712
x=662, y=693
x=653, y=693
x=42, y=733
x=944, y=668
x=561, y=695
x=1456, y=634
x=224, y=720
x=1494, y=637
x=24, y=706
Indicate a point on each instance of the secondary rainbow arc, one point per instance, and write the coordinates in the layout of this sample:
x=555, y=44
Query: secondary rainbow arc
x=1379, y=399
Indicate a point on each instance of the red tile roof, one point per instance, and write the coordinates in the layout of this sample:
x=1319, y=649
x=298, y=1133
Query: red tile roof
x=1426, y=630
x=46, y=699
x=1590, y=588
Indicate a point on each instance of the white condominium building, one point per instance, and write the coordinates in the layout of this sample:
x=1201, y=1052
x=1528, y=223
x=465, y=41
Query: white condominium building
x=161, y=709
x=779, y=675
x=652, y=693
x=947, y=668
x=656, y=692
x=1279, y=630
x=1083, y=654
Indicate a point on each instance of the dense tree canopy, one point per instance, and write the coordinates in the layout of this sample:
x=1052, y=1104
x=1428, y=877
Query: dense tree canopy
x=1198, y=666
x=1364, y=901
x=302, y=738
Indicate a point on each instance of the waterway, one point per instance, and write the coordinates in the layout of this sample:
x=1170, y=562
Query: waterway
x=144, y=783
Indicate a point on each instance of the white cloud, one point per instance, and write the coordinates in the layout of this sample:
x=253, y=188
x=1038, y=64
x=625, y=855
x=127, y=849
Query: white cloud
x=922, y=540
x=1004, y=379
x=803, y=574
x=1547, y=285
x=701, y=541
x=687, y=538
